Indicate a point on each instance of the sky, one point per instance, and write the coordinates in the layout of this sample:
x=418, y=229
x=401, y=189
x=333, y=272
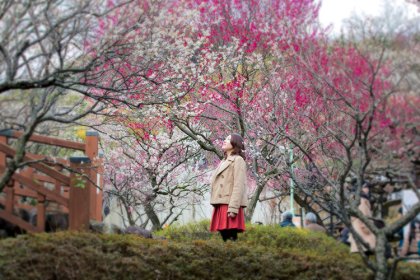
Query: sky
x=334, y=11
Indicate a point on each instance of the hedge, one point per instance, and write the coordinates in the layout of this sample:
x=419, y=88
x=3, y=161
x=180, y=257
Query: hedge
x=263, y=252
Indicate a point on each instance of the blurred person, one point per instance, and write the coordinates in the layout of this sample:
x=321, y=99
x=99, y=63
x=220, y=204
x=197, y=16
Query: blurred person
x=411, y=240
x=344, y=236
x=287, y=219
x=359, y=226
x=311, y=223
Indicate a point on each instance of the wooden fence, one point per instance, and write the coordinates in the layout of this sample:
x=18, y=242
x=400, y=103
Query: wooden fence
x=51, y=185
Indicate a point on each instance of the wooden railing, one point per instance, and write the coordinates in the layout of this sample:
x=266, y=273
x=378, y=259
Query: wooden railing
x=52, y=180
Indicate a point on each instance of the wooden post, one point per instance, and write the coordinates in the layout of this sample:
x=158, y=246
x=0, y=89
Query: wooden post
x=57, y=190
x=79, y=202
x=10, y=196
x=92, y=148
x=3, y=140
x=40, y=213
x=57, y=184
x=92, y=144
x=8, y=190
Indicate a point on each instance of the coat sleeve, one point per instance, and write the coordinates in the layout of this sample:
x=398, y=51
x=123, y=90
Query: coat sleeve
x=239, y=177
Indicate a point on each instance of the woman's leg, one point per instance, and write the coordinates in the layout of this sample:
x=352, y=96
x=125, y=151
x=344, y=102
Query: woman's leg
x=229, y=234
x=224, y=234
x=234, y=234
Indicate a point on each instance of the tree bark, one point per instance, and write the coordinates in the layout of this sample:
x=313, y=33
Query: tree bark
x=131, y=221
x=151, y=214
x=382, y=269
x=253, y=203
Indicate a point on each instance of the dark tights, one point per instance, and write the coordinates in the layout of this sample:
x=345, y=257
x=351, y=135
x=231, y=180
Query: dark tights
x=229, y=234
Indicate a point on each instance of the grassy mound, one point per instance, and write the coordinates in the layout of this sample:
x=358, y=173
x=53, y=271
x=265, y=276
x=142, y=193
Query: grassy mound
x=263, y=252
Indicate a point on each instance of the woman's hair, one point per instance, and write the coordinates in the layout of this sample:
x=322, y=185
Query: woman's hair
x=237, y=143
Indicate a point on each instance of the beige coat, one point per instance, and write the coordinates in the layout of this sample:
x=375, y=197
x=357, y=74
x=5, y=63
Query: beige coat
x=361, y=228
x=315, y=227
x=228, y=184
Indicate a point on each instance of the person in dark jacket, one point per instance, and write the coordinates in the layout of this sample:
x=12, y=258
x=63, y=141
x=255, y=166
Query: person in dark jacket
x=344, y=236
x=287, y=219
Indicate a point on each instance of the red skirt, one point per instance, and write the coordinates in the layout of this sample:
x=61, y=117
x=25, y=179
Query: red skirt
x=221, y=221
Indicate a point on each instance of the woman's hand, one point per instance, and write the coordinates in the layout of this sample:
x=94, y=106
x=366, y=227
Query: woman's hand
x=231, y=215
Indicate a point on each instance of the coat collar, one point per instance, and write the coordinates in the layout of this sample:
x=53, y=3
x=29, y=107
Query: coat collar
x=224, y=164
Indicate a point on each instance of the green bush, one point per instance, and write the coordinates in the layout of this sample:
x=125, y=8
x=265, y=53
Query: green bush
x=189, y=252
x=269, y=236
x=191, y=231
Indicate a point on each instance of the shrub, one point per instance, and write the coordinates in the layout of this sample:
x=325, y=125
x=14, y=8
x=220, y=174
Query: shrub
x=315, y=246
x=263, y=252
x=190, y=231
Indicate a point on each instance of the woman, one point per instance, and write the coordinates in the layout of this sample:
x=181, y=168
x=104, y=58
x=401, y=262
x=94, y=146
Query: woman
x=228, y=190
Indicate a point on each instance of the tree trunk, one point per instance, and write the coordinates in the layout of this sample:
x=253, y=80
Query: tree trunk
x=382, y=269
x=253, y=203
x=129, y=215
x=151, y=214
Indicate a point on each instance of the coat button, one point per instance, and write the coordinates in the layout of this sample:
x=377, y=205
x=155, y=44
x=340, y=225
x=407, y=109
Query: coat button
x=221, y=176
x=220, y=195
x=221, y=185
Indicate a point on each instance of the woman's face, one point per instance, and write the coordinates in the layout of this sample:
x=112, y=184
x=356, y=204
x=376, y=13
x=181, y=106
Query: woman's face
x=227, y=146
